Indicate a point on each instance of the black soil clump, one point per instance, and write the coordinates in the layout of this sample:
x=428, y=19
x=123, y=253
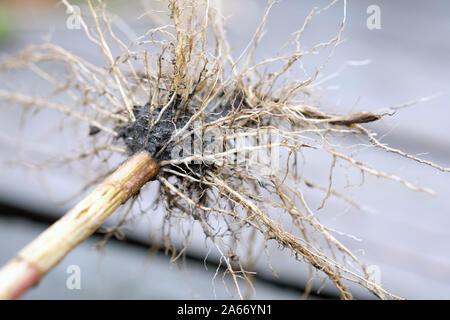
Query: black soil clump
x=145, y=133
x=139, y=135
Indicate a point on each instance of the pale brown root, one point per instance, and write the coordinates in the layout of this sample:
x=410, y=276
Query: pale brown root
x=45, y=252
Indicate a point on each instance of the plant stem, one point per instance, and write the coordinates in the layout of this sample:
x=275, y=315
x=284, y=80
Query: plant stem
x=34, y=261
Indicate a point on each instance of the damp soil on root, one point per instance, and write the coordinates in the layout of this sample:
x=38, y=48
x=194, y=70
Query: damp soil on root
x=145, y=134
x=150, y=134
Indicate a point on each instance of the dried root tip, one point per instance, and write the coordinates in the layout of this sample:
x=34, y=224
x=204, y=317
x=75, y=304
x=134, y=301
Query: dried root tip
x=41, y=255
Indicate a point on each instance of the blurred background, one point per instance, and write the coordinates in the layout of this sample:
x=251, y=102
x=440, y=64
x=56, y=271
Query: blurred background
x=405, y=235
